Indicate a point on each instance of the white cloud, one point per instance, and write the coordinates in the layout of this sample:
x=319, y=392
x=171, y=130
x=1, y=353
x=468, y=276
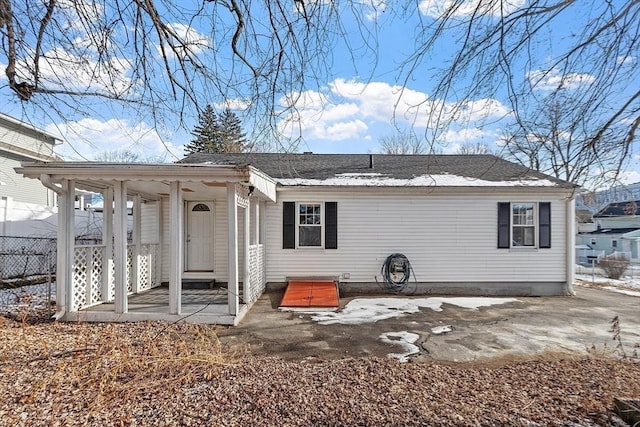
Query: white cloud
x=626, y=59
x=374, y=8
x=61, y=70
x=351, y=109
x=345, y=130
x=437, y=8
x=87, y=138
x=630, y=177
x=191, y=41
x=552, y=80
x=233, y=104
x=463, y=136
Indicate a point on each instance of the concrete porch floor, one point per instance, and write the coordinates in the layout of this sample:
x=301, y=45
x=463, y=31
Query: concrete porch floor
x=198, y=306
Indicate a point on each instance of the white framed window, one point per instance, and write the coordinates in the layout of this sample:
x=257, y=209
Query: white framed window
x=309, y=222
x=523, y=224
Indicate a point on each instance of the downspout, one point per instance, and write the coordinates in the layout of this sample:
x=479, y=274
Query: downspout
x=45, y=179
x=571, y=244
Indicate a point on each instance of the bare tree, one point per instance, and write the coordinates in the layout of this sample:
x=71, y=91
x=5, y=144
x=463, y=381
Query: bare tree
x=126, y=156
x=149, y=56
x=560, y=142
x=537, y=50
x=474, y=148
x=266, y=54
x=401, y=142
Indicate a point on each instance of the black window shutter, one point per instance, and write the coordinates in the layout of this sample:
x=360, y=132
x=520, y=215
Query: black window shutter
x=331, y=225
x=288, y=225
x=504, y=222
x=544, y=225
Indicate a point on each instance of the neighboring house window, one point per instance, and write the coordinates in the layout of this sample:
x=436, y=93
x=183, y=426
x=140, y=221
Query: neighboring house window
x=614, y=243
x=524, y=225
x=310, y=225
x=593, y=242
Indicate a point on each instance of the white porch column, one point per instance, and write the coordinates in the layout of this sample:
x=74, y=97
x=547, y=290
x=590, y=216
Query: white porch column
x=65, y=248
x=255, y=239
x=120, y=246
x=246, y=274
x=232, y=241
x=570, y=211
x=107, y=241
x=160, y=239
x=176, y=252
x=137, y=237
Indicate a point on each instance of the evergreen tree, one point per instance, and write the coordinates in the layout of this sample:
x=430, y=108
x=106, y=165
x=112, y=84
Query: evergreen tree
x=231, y=135
x=217, y=133
x=206, y=134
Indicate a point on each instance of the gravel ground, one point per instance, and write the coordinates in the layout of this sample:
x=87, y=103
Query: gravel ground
x=160, y=374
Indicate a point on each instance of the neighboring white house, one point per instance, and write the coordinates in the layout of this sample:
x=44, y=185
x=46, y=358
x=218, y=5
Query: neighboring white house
x=469, y=224
x=615, y=229
x=21, y=142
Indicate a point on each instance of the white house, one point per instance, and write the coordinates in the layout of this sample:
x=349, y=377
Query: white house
x=616, y=229
x=20, y=142
x=469, y=224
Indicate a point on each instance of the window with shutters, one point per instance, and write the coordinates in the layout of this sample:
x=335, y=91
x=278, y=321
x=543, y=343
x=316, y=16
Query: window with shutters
x=310, y=225
x=524, y=225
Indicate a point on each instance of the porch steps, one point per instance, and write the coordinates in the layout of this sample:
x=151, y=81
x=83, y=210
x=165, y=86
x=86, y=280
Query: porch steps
x=311, y=293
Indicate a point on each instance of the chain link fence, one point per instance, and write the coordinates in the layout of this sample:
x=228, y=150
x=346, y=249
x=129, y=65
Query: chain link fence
x=27, y=274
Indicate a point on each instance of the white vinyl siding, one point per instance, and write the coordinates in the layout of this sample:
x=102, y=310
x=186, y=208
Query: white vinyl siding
x=446, y=238
x=26, y=138
x=149, y=229
x=22, y=189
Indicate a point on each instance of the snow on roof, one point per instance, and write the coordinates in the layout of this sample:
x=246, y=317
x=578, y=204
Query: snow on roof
x=379, y=180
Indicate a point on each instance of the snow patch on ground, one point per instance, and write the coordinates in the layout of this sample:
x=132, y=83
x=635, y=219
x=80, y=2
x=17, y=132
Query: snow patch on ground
x=25, y=298
x=622, y=291
x=625, y=285
x=438, y=330
x=370, y=310
x=404, y=339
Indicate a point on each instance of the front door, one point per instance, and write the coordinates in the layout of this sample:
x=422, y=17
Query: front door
x=199, y=245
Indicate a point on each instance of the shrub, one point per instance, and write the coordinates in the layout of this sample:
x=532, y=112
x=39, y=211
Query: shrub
x=614, y=266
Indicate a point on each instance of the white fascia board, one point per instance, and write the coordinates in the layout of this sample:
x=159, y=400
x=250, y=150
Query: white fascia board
x=90, y=171
x=511, y=192
x=263, y=183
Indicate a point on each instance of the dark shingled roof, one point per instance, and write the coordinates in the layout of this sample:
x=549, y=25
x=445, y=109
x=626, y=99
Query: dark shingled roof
x=620, y=209
x=324, y=166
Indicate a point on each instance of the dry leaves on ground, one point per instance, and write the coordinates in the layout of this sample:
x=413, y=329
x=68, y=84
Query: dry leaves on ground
x=164, y=374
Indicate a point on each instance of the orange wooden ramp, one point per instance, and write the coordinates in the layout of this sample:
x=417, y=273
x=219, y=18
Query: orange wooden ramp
x=308, y=293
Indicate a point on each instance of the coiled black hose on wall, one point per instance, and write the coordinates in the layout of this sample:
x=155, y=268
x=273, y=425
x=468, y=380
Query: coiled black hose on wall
x=396, y=273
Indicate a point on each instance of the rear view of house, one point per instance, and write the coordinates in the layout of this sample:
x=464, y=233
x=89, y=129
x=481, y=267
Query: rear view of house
x=467, y=224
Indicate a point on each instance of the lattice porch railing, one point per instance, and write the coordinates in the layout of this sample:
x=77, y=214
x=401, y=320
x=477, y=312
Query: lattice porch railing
x=257, y=277
x=89, y=272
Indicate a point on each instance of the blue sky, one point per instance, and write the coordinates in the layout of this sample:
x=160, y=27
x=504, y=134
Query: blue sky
x=362, y=98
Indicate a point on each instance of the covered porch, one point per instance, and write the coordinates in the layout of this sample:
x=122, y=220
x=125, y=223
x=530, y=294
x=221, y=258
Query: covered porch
x=164, y=226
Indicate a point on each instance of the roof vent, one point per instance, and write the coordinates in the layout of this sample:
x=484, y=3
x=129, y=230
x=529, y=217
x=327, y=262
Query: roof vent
x=370, y=161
